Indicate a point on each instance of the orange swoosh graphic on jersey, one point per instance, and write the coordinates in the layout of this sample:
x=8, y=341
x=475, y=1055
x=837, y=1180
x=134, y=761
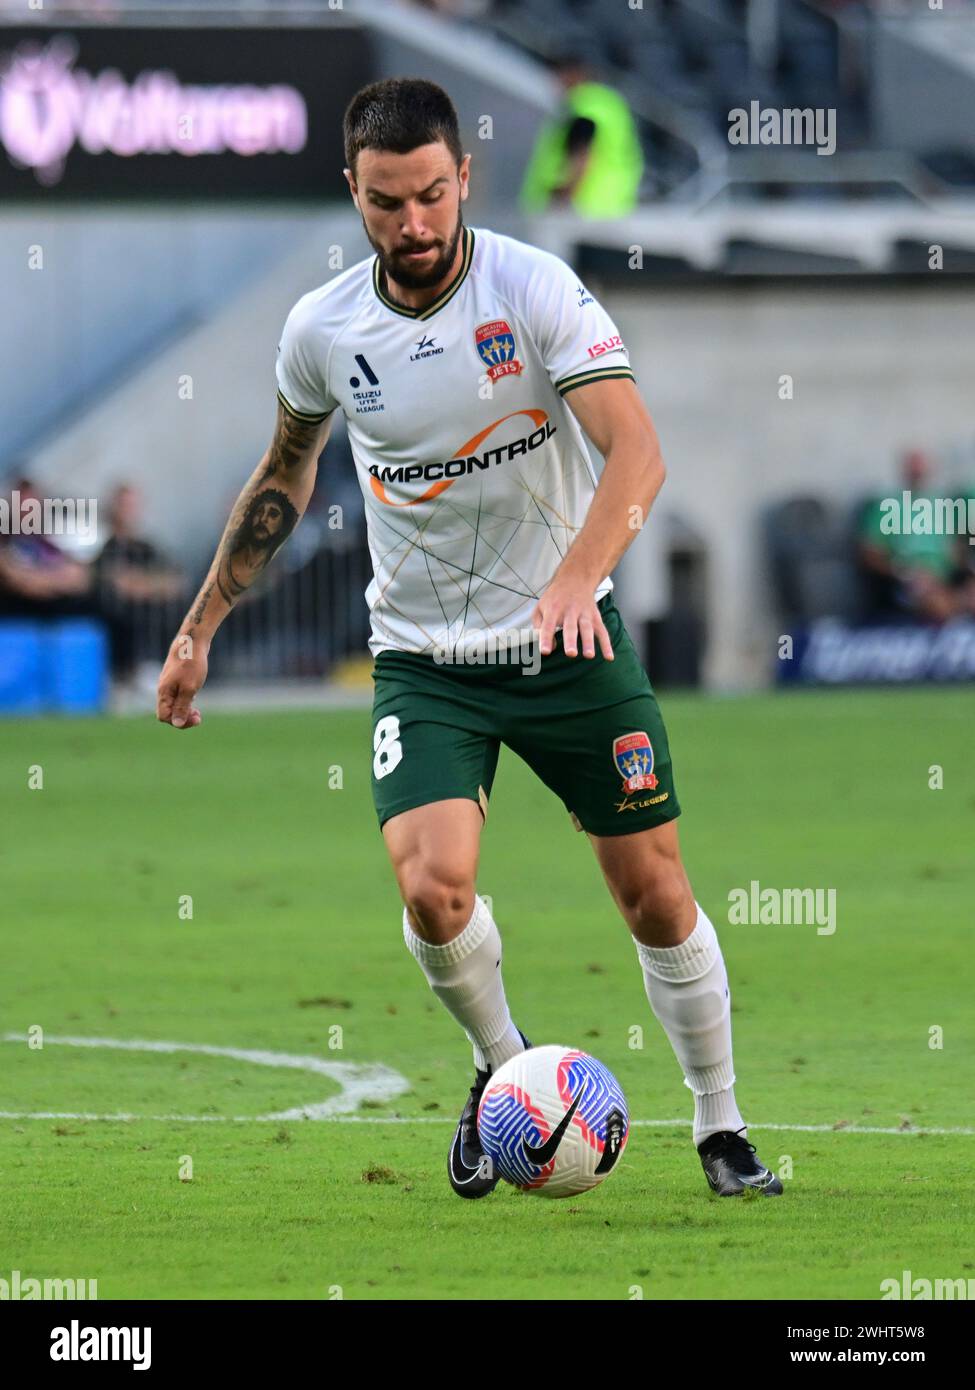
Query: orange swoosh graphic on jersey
x=538, y=418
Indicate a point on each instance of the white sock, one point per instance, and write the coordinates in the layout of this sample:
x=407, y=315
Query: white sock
x=687, y=986
x=465, y=975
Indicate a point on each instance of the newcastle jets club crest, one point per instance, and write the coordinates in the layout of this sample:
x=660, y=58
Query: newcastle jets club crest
x=633, y=756
x=495, y=345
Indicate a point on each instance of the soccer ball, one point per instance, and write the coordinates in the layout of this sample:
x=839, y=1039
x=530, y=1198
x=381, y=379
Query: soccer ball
x=553, y=1121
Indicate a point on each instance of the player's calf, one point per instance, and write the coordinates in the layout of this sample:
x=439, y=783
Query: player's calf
x=646, y=877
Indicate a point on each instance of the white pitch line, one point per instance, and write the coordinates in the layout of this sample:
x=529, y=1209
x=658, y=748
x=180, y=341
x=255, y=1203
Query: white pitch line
x=441, y=1120
x=360, y=1082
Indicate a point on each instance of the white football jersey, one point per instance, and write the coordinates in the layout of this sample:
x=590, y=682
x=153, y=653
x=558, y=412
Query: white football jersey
x=474, y=471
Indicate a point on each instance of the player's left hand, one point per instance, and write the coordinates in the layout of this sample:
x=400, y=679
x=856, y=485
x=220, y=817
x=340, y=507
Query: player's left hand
x=568, y=603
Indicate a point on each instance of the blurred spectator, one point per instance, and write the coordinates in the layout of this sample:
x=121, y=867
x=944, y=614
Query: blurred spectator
x=589, y=155
x=965, y=552
x=37, y=579
x=136, y=589
x=911, y=571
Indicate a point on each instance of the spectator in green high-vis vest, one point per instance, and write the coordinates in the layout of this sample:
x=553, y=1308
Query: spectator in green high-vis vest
x=589, y=155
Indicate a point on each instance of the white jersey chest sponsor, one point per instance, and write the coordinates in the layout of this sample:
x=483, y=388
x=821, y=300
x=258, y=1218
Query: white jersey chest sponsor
x=429, y=404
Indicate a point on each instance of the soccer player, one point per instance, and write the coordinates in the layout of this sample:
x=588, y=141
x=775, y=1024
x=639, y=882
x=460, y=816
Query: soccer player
x=467, y=365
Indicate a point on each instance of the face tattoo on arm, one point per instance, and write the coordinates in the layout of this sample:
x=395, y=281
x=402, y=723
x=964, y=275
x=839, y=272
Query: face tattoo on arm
x=268, y=522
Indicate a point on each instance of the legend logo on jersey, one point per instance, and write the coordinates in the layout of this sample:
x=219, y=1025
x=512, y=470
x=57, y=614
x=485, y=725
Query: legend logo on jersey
x=633, y=756
x=495, y=345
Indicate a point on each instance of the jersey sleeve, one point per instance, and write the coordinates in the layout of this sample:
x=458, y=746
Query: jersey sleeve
x=301, y=368
x=576, y=337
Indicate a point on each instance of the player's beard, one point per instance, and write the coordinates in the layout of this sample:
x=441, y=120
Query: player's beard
x=398, y=270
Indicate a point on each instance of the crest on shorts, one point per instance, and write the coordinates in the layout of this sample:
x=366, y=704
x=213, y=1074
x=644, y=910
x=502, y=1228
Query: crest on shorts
x=495, y=345
x=633, y=756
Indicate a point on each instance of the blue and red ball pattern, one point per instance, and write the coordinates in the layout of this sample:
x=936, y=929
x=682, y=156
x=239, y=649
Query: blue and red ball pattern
x=507, y=1115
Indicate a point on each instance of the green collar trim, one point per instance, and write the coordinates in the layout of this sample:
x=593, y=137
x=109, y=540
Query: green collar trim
x=448, y=294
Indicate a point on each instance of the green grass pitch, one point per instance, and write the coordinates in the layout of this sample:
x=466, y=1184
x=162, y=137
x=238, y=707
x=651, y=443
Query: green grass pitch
x=295, y=932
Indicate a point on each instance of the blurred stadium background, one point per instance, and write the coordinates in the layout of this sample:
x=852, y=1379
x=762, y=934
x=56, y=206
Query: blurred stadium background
x=799, y=316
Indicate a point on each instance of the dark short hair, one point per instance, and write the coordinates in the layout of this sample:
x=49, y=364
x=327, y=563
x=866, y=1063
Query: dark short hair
x=400, y=114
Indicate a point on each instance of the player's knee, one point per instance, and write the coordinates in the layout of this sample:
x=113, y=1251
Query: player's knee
x=439, y=901
x=659, y=907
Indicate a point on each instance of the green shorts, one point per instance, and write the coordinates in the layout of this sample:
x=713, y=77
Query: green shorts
x=590, y=728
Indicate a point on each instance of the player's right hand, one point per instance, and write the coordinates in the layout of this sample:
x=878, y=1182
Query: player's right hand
x=182, y=676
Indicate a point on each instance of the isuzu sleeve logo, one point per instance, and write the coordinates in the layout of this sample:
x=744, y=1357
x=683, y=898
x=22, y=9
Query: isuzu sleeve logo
x=607, y=345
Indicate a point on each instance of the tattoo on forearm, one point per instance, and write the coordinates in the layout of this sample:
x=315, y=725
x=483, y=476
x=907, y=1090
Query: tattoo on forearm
x=201, y=605
x=260, y=525
x=269, y=518
x=292, y=440
x=263, y=518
